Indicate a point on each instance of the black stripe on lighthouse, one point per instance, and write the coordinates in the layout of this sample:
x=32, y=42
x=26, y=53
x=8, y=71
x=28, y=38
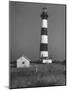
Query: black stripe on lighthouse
x=44, y=15
x=43, y=47
x=44, y=31
x=43, y=28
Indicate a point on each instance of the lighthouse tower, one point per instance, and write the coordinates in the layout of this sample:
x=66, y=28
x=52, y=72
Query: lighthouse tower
x=44, y=37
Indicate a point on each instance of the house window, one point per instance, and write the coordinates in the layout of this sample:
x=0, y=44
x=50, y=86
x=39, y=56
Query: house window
x=23, y=62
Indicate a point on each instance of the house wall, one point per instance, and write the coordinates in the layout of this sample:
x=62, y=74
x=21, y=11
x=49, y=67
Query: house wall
x=20, y=63
x=25, y=29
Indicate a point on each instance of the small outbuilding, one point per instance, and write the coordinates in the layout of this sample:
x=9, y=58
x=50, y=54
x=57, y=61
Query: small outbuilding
x=23, y=62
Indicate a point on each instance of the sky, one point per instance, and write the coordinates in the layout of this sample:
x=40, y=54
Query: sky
x=25, y=29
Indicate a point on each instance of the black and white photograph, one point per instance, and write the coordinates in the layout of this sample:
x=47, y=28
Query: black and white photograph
x=37, y=44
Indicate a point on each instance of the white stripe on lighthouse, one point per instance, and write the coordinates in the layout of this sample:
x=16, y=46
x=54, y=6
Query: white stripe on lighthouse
x=44, y=53
x=44, y=23
x=44, y=38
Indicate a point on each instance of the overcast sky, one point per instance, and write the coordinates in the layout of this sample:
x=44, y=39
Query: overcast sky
x=25, y=29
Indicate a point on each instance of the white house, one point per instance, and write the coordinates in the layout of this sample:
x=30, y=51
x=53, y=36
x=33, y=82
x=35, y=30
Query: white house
x=23, y=62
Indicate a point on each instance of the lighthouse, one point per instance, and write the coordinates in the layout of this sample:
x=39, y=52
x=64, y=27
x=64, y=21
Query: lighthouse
x=44, y=38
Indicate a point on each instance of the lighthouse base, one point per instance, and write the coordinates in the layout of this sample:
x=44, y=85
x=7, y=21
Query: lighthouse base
x=47, y=61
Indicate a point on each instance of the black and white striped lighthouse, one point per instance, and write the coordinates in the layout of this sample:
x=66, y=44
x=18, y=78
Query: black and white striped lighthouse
x=44, y=37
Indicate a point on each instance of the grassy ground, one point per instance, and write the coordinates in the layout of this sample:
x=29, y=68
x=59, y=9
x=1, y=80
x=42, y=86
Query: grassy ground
x=38, y=75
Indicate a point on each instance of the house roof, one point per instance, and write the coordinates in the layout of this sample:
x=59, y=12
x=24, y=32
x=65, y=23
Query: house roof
x=25, y=57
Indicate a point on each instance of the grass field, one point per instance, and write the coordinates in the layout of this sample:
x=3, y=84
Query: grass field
x=38, y=75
